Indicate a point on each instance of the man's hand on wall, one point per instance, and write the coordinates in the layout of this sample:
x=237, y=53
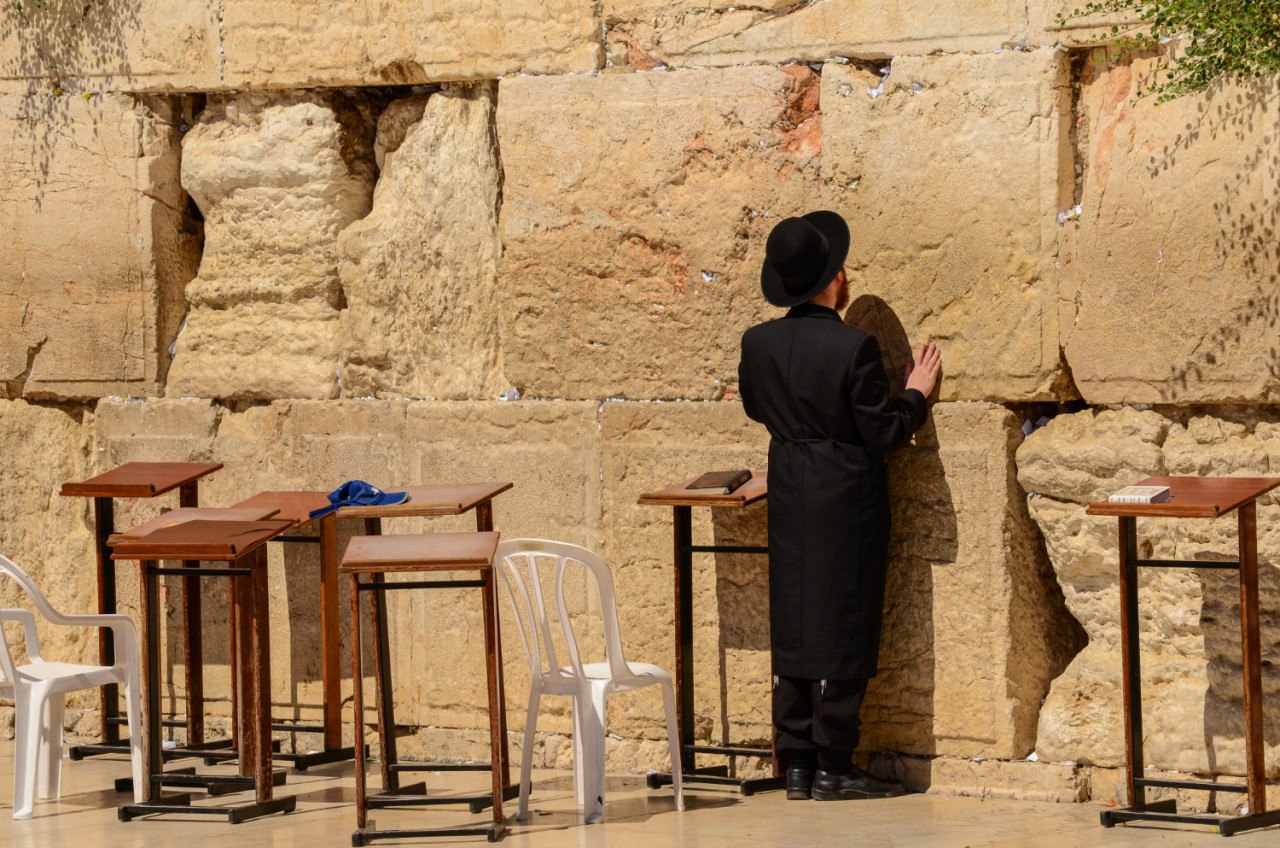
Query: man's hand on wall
x=922, y=375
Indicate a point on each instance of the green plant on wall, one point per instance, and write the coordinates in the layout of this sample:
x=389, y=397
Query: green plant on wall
x=1220, y=39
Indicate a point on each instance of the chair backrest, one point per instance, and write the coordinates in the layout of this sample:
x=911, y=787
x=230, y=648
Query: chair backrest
x=521, y=562
x=42, y=605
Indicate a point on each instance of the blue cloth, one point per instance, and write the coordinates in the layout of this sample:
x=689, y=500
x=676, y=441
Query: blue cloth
x=358, y=493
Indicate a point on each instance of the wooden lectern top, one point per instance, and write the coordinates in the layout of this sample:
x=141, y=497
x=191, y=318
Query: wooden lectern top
x=1192, y=497
x=426, y=552
x=749, y=492
x=140, y=480
x=187, y=513
x=439, y=499
x=293, y=506
x=202, y=540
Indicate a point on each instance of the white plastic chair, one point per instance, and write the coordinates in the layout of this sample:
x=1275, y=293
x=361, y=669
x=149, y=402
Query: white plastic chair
x=39, y=691
x=519, y=561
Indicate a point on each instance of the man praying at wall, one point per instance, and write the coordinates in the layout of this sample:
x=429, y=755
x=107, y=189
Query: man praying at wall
x=821, y=390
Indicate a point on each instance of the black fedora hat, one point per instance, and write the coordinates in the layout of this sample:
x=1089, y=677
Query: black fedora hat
x=803, y=256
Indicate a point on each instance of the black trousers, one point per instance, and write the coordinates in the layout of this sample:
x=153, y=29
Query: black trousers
x=817, y=715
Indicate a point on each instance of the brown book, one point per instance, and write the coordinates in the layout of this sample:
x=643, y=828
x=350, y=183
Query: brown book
x=718, y=482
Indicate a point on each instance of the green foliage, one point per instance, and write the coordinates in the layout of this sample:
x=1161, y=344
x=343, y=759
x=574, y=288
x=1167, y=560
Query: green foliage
x=1220, y=39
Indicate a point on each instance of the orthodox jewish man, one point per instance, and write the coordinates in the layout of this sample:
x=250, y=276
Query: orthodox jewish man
x=821, y=390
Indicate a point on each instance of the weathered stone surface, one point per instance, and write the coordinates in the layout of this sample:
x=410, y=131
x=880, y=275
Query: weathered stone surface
x=1087, y=456
x=635, y=210
x=48, y=536
x=649, y=446
x=1018, y=779
x=294, y=43
x=114, y=45
x=950, y=178
x=723, y=32
x=420, y=273
x=95, y=245
x=1169, y=290
x=1086, y=30
x=277, y=177
x=1189, y=622
x=973, y=632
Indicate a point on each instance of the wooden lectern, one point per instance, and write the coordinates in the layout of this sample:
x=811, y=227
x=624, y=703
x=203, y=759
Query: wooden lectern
x=1193, y=497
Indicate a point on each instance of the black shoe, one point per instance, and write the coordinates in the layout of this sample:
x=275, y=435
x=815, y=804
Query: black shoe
x=852, y=785
x=799, y=783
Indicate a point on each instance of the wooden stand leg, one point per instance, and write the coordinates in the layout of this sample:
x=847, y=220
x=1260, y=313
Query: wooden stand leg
x=259, y=660
x=1132, y=667
x=193, y=641
x=242, y=603
x=357, y=718
x=331, y=669
x=497, y=733
x=682, y=521
x=109, y=698
x=382, y=692
x=484, y=524
x=150, y=667
x=1251, y=650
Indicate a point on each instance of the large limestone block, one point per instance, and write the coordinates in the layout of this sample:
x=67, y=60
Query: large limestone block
x=1189, y=620
x=551, y=452
x=294, y=43
x=974, y=630
x=277, y=177
x=950, y=172
x=140, y=45
x=635, y=210
x=1169, y=290
x=48, y=536
x=1087, y=456
x=420, y=273
x=649, y=446
x=95, y=245
x=644, y=33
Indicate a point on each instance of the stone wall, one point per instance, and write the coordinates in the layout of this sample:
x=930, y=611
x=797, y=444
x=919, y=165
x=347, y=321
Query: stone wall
x=320, y=241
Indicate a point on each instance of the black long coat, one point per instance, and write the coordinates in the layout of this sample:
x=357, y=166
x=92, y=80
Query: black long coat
x=821, y=390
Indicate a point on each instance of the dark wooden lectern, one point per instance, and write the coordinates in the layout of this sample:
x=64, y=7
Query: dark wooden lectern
x=1193, y=497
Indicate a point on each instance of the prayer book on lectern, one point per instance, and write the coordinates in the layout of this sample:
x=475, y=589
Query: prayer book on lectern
x=718, y=482
x=1141, y=495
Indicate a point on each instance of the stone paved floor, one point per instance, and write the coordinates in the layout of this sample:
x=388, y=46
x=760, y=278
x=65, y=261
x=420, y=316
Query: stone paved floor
x=85, y=818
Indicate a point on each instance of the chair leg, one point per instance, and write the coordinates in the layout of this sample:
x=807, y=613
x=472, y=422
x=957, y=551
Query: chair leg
x=137, y=753
x=526, y=755
x=593, y=724
x=28, y=714
x=673, y=739
x=578, y=794
x=50, y=754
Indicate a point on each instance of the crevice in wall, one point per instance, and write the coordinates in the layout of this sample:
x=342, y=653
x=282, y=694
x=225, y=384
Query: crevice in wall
x=1079, y=131
x=222, y=44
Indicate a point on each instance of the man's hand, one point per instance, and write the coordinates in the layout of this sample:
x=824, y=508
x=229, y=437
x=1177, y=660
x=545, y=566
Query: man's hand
x=922, y=375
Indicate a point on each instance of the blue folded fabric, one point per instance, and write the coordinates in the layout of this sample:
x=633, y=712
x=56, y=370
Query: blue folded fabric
x=358, y=493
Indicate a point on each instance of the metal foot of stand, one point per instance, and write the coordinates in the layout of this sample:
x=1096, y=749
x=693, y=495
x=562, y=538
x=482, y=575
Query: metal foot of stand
x=492, y=833
x=302, y=762
x=97, y=749
x=1167, y=811
x=416, y=792
x=222, y=751
x=213, y=784
x=181, y=804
